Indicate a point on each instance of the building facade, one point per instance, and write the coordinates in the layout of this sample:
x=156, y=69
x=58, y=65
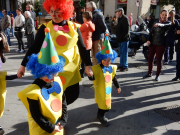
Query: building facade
x=143, y=8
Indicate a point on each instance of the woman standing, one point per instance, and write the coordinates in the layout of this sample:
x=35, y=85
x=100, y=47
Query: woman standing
x=68, y=43
x=19, y=29
x=87, y=28
x=29, y=28
x=170, y=39
x=113, y=25
x=12, y=22
x=157, y=43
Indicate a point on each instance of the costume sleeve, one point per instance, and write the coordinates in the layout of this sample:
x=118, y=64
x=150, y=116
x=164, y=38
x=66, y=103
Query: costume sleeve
x=38, y=117
x=11, y=77
x=64, y=116
x=116, y=84
x=36, y=46
x=82, y=49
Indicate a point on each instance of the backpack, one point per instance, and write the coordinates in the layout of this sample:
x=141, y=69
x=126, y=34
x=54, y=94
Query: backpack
x=5, y=42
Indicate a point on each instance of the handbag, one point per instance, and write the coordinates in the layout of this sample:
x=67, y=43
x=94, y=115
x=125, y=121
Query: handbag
x=18, y=28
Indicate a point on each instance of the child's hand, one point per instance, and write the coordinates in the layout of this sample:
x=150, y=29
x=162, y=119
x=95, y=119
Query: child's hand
x=119, y=90
x=56, y=129
x=60, y=126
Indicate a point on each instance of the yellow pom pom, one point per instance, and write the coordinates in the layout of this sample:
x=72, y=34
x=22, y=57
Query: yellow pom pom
x=47, y=30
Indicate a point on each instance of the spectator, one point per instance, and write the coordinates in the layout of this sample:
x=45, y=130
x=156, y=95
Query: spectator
x=29, y=28
x=79, y=17
x=19, y=29
x=123, y=37
x=110, y=18
x=113, y=25
x=157, y=37
x=12, y=22
x=73, y=19
x=151, y=22
x=170, y=39
x=130, y=19
x=100, y=29
x=146, y=21
x=6, y=25
x=107, y=18
x=33, y=14
x=177, y=48
x=32, y=9
x=87, y=28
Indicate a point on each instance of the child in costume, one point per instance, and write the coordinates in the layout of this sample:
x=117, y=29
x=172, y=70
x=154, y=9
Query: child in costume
x=104, y=74
x=44, y=99
x=3, y=78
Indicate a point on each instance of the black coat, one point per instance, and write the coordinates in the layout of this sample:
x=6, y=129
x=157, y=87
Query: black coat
x=100, y=26
x=79, y=18
x=123, y=29
x=158, y=34
x=177, y=37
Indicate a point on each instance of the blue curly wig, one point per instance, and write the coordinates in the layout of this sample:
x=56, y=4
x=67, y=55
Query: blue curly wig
x=101, y=57
x=40, y=70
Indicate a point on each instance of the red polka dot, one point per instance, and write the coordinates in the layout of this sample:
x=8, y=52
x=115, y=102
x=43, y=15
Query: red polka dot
x=61, y=40
x=108, y=78
x=56, y=105
x=63, y=80
x=107, y=52
x=108, y=102
x=54, y=59
x=103, y=47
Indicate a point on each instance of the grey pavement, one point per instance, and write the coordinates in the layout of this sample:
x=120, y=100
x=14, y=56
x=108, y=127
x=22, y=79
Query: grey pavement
x=132, y=110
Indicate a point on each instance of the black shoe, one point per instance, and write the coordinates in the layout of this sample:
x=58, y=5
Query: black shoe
x=1, y=131
x=119, y=67
x=175, y=79
x=3, y=59
x=124, y=69
x=103, y=121
x=146, y=76
x=157, y=78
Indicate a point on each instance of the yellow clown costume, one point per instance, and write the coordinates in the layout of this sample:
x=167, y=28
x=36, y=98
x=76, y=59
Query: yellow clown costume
x=103, y=76
x=2, y=91
x=65, y=41
x=50, y=100
x=103, y=86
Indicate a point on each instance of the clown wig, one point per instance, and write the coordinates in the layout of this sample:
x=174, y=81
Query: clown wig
x=101, y=57
x=40, y=70
x=66, y=6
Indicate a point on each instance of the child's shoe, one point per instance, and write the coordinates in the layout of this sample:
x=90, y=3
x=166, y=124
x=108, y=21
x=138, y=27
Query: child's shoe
x=103, y=121
x=1, y=131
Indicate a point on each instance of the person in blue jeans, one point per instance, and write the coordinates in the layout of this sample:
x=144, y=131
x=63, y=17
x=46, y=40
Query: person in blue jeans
x=123, y=37
x=6, y=25
x=12, y=22
x=170, y=38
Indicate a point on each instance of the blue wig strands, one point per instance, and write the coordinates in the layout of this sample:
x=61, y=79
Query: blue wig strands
x=101, y=57
x=40, y=70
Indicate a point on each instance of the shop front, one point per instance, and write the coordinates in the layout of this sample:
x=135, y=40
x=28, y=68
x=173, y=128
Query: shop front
x=122, y=4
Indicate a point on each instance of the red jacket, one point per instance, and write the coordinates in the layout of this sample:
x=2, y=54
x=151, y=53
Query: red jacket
x=87, y=29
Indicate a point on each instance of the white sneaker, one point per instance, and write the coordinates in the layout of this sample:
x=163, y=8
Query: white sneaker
x=165, y=63
x=17, y=50
x=22, y=51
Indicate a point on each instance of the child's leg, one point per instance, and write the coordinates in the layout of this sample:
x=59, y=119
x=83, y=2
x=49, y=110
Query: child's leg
x=101, y=117
x=1, y=131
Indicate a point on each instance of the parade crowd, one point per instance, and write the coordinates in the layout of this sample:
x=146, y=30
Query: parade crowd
x=59, y=54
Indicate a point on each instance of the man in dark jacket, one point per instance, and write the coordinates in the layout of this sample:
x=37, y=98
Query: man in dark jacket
x=100, y=29
x=6, y=25
x=123, y=37
x=79, y=17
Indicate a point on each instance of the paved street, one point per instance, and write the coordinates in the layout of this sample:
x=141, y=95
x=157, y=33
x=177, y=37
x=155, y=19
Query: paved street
x=132, y=110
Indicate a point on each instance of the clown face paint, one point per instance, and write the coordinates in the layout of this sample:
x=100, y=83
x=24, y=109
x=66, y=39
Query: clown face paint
x=106, y=62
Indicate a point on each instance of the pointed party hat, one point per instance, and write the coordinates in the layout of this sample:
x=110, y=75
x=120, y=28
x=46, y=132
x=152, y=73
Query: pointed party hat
x=48, y=54
x=106, y=48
